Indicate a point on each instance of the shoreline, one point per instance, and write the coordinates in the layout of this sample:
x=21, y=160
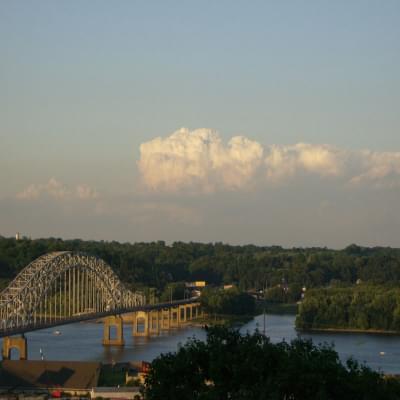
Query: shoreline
x=348, y=330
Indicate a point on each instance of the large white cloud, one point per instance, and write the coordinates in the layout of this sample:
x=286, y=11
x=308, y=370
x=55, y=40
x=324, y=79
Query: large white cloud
x=200, y=160
x=283, y=162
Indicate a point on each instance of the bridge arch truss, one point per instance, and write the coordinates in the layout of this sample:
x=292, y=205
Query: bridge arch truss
x=61, y=286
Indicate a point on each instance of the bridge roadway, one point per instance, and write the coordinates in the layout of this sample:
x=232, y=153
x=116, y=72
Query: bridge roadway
x=66, y=287
x=97, y=315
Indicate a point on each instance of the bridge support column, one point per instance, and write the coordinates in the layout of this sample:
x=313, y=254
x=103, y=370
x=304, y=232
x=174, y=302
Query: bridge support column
x=174, y=317
x=166, y=318
x=154, y=318
x=141, y=318
x=19, y=343
x=182, y=314
x=117, y=321
x=189, y=312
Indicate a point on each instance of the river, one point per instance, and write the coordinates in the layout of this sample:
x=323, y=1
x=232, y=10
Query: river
x=82, y=342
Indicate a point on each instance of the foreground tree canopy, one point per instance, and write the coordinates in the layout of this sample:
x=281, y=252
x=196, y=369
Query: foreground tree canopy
x=234, y=366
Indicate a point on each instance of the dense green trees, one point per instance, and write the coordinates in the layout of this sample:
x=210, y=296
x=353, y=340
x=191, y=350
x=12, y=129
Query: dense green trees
x=249, y=267
x=231, y=366
x=357, y=307
x=173, y=291
x=231, y=301
x=340, y=302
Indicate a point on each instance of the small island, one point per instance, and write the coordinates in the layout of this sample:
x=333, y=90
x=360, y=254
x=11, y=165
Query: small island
x=360, y=308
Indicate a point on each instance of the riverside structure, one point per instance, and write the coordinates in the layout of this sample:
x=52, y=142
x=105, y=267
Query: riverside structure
x=65, y=287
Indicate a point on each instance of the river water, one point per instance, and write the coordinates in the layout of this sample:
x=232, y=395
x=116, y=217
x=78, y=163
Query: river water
x=82, y=342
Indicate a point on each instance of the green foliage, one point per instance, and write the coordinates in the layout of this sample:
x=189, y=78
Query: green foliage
x=232, y=366
x=111, y=377
x=276, y=295
x=231, y=301
x=173, y=291
x=157, y=265
x=358, y=307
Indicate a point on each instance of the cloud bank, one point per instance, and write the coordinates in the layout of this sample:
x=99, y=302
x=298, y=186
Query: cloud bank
x=199, y=160
x=283, y=162
x=57, y=190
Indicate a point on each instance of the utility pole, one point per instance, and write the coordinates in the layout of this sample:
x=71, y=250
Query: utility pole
x=264, y=317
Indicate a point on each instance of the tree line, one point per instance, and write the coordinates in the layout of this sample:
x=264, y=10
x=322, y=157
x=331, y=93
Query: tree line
x=359, y=307
x=157, y=264
x=229, y=302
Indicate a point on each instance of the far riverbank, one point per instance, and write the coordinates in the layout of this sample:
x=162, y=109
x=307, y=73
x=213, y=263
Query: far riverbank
x=292, y=309
x=348, y=330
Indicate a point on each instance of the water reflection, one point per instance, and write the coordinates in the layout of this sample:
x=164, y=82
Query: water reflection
x=83, y=341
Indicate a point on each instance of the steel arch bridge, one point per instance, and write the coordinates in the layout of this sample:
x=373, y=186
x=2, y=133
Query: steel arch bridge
x=63, y=287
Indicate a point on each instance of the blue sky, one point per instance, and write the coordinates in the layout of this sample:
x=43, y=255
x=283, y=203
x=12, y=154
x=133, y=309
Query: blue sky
x=84, y=84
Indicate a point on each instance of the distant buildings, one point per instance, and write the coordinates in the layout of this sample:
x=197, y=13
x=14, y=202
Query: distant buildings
x=196, y=284
x=195, y=287
x=129, y=393
x=137, y=372
x=56, y=379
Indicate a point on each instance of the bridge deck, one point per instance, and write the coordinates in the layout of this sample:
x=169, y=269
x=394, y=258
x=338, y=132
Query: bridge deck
x=91, y=316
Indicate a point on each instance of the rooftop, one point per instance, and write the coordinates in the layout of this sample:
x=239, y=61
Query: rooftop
x=43, y=374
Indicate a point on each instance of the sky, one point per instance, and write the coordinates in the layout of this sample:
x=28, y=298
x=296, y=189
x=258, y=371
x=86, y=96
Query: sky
x=265, y=122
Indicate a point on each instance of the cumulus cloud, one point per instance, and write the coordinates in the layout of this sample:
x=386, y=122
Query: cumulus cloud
x=283, y=162
x=379, y=169
x=57, y=190
x=199, y=160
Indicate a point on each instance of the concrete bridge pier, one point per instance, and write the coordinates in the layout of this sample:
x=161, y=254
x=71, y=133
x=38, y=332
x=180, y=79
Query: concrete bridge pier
x=188, y=310
x=154, y=327
x=117, y=322
x=166, y=319
x=182, y=314
x=141, y=318
x=152, y=322
x=20, y=343
x=196, y=311
x=174, y=317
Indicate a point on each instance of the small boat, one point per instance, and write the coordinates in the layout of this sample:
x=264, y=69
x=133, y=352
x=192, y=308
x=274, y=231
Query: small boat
x=382, y=353
x=57, y=333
